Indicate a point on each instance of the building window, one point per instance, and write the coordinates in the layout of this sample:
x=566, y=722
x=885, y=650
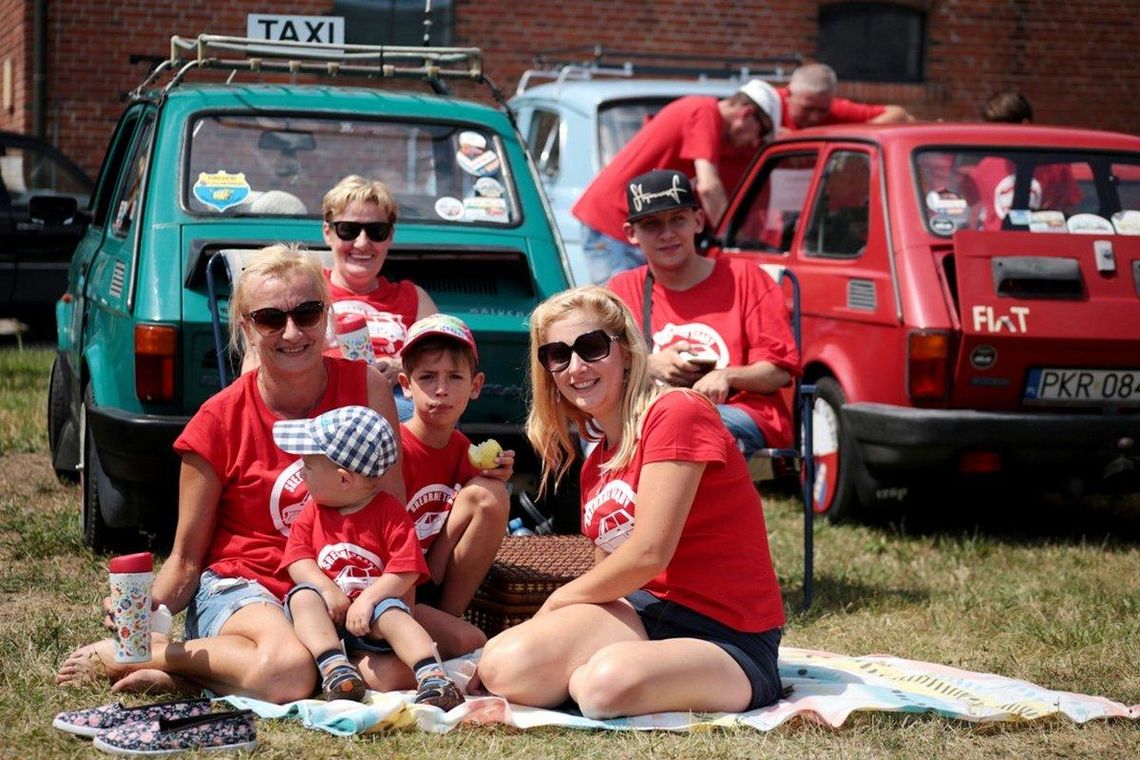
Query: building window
x=394, y=22
x=873, y=42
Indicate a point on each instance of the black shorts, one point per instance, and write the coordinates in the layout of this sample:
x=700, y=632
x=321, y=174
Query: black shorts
x=429, y=593
x=755, y=653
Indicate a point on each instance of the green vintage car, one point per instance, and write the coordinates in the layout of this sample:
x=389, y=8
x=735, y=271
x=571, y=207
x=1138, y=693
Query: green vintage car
x=197, y=168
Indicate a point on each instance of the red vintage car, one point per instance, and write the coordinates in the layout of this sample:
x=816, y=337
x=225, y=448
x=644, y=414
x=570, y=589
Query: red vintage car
x=970, y=300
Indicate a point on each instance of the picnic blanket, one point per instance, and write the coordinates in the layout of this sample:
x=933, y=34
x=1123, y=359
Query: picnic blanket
x=826, y=688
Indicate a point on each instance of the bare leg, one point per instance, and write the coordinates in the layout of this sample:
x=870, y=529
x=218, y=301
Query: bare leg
x=407, y=637
x=312, y=624
x=256, y=655
x=464, y=550
x=533, y=663
x=640, y=677
x=452, y=635
x=151, y=681
x=383, y=672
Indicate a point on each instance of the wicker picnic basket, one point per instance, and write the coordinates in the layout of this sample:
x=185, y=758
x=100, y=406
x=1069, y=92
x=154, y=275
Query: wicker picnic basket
x=526, y=570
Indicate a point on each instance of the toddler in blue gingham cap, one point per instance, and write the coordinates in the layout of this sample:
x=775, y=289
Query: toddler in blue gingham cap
x=356, y=438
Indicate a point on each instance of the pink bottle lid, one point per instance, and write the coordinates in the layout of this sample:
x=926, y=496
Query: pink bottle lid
x=346, y=323
x=142, y=562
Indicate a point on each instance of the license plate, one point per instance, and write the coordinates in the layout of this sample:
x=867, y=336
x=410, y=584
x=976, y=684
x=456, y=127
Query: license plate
x=1083, y=386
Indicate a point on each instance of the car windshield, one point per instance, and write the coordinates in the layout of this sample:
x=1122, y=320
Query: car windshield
x=619, y=121
x=258, y=165
x=1035, y=191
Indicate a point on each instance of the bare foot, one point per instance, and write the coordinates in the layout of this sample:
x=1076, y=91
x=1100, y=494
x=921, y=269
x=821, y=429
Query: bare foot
x=96, y=662
x=152, y=681
x=93, y=662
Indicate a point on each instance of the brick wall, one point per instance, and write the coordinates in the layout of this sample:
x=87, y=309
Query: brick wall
x=15, y=65
x=1077, y=65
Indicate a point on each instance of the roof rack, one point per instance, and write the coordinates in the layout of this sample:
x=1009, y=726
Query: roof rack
x=211, y=51
x=596, y=61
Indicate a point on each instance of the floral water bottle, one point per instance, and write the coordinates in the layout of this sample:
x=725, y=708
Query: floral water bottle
x=131, y=576
x=352, y=335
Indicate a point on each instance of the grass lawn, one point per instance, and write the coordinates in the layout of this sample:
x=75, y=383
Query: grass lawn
x=1025, y=587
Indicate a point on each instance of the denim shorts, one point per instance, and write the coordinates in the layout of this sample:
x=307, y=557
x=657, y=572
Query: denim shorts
x=352, y=642
x=606, y=256
x=755, y=653
x=743, y=428
x=218, y=598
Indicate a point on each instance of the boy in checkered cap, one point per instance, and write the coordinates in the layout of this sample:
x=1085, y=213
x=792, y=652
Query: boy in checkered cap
x=354, y=556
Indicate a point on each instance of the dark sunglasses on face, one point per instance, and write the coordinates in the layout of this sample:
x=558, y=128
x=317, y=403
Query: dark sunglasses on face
x=591, y=347
x=270, y=320
x=377, y=232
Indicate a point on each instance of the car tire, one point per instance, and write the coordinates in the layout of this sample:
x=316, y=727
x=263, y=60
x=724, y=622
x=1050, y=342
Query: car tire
x=834, y=494
x=97, y=535
x=62, y=436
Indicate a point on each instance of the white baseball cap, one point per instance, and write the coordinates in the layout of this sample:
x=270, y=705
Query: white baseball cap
x=766, y=98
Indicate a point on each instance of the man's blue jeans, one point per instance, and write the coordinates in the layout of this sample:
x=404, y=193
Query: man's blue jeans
x=606, y=256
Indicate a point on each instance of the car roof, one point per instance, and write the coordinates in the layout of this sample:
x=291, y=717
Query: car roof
x=361, y=101
x=930, y=134
x=587, y=94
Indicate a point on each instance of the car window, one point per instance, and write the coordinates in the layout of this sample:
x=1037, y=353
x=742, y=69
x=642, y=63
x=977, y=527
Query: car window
x=27, y=171
x=130, y=199
x=840, y=210
x=768, y=218
x=283, y=166
x=620, y=120
x=1055, y=191
x=543, y=142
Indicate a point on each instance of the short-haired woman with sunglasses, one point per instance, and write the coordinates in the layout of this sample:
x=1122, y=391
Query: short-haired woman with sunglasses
x=238, y=495
x=359, y=221
x=682, y=610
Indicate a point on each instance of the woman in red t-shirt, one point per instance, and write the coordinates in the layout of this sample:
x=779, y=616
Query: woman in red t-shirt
x=238, y=495
x=682, y=610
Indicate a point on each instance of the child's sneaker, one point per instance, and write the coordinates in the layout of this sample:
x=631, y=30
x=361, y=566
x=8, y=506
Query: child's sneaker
x=439, y=691
x=340, y=679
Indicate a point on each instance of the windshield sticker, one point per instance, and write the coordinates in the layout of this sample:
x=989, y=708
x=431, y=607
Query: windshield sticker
x=946, y=201
x=1046, y=221
x=221, y=190
x=943, y=224
x=449, y=208
x=1003, y=195
x=1019, y=217
x=485, y=209
x=1126, y=222
x=473, y=156
x=1090, y=224
x=488, y=188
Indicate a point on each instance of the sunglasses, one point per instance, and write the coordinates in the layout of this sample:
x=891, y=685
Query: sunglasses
x=591, y=347
x=377, y=232
x=270, y=320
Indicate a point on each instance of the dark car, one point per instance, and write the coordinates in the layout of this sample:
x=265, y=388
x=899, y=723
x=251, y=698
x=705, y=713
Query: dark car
x=41, y=192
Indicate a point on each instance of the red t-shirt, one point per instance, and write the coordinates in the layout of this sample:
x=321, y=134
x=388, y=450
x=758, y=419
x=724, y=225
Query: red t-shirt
x=843, y=111
x=683, y=131
x=722, y=567
x=390, y=310
x=262, y=487
x=737, y=312
x=354, y=550
x=431, y=478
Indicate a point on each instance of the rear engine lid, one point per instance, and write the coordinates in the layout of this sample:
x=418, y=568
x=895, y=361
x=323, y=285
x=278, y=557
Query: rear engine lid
x=1048, y=321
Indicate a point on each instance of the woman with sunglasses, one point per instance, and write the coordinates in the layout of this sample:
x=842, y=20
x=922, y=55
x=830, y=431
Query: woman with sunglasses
x=238, y=495
x=360, y=215
x=682, y=610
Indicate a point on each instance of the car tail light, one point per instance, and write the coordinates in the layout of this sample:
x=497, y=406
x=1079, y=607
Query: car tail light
x=156, y=348
x=978, y=462
x=928, y=361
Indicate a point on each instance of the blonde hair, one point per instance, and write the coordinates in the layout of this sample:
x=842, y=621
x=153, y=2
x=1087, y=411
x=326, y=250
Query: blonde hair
x=547, y=424
x=274, y=261
x=357, y=188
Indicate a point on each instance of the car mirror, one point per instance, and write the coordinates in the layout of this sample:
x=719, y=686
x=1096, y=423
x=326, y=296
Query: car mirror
x=52, y=209
x=287, y=142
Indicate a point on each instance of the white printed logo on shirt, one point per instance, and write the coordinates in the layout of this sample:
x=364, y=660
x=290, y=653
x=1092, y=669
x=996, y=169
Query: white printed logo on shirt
x=613, y=507
x=429, y=508
x=352, y=567
x=696, y=333
x=288, y=497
